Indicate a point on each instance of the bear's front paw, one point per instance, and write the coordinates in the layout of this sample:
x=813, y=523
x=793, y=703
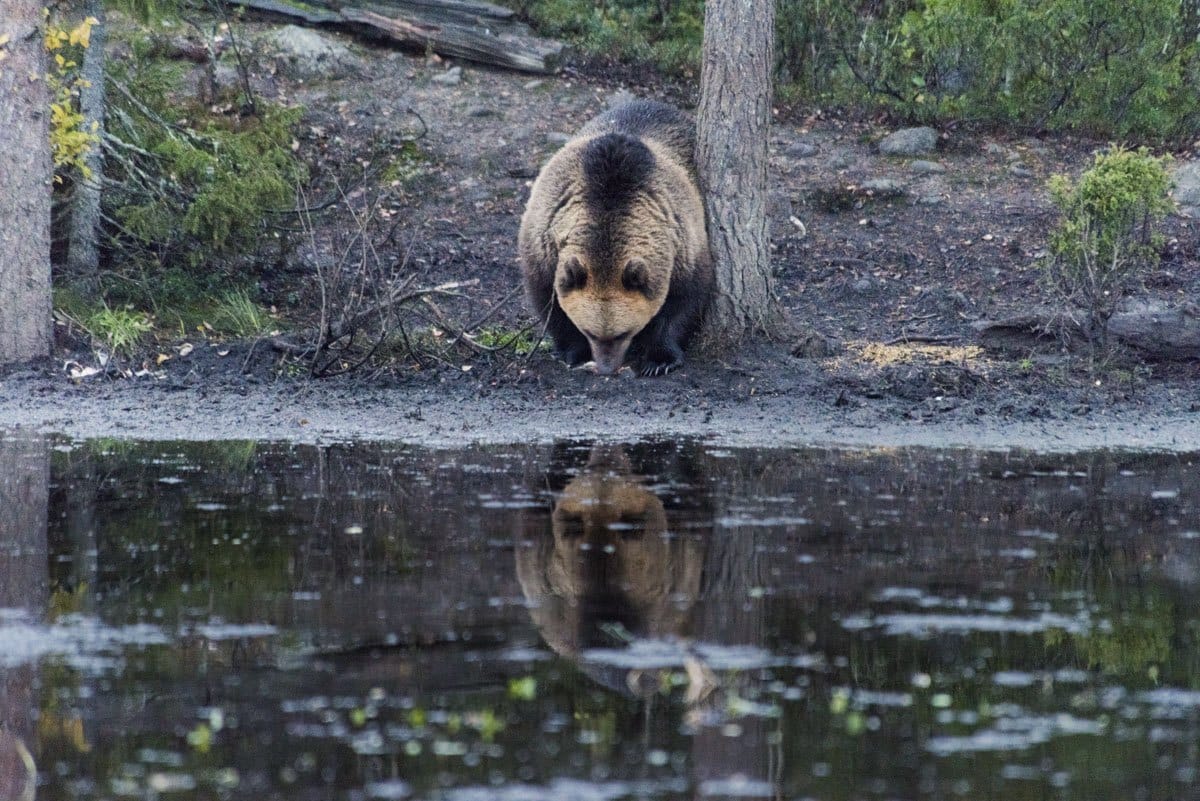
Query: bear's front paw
x=575, y=354
x=660, y=360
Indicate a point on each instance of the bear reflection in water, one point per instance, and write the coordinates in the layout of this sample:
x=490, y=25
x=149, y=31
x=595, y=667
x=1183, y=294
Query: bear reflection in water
x=615, y=564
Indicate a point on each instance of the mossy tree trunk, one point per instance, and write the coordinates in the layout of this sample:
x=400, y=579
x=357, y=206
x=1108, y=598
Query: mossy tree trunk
x=731, y=158
x=24, y=185
x=83, y=254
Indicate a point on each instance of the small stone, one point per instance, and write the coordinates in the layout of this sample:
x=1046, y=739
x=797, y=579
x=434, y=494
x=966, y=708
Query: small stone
x=557, y=138
x=993, y=149
x=887, y=187
x=921, y=167
x=451, y=77
x=619, y=98
x=481, y=111
x=812, y=344
x=800, y=150
x=930, y=200
x=839, y=162
x=909, y=142
x=1020, y=170
x=531, y=85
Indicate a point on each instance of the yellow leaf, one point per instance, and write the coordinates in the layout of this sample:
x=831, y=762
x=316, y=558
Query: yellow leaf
x=162, y=357
x=4, y=39
x=82, y=33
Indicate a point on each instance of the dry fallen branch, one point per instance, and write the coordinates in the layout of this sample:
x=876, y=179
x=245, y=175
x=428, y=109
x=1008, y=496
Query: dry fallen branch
x=476, y=31
x=1157, y=332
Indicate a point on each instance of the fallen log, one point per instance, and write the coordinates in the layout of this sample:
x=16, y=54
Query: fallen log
x=476, y=31
x=1158, y=332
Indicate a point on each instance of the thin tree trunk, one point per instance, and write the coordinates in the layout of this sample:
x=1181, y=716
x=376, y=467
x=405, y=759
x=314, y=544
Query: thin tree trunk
x=731, y=158
x=25, y=181
x=83, y=259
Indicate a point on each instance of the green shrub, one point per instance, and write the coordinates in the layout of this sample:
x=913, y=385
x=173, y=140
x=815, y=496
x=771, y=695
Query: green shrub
x=1106, y=237
x=1103, y=67
x=119, y=330
x=663, y=32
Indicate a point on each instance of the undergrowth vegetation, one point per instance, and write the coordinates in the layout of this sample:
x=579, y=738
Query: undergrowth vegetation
x=1107, y=238
x=1103, y=67
x=196, y=190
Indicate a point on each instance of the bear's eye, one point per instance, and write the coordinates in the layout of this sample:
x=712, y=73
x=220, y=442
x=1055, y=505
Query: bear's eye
x=636, y=278
x=574, y=276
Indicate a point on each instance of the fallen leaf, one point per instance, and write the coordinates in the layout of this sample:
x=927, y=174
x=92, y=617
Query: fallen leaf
x=162, y=357
x=186, y=348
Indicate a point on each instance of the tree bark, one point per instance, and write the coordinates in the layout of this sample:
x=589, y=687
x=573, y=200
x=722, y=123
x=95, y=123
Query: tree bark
x=83, y=254
x=24, y=186
x=731, y=159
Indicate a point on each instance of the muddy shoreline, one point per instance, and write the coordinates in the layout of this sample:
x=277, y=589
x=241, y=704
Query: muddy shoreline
x=463, y=410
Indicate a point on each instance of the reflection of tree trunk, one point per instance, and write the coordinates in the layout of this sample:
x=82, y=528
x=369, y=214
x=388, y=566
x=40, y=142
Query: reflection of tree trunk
x=24, y=583
x=81, y=483
x=729, y=615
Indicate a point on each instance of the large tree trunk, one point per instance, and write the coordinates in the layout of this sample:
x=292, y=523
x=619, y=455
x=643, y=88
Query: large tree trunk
x=731, y=158
x=24, y=186
x=83, y=255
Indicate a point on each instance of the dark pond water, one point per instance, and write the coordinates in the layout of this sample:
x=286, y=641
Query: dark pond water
x=595, y=623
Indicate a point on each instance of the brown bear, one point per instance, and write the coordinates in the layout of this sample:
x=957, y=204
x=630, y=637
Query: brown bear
x=613, y=241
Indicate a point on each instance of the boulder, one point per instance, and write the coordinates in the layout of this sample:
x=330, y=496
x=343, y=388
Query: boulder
x=304, y=53
x=909, y=142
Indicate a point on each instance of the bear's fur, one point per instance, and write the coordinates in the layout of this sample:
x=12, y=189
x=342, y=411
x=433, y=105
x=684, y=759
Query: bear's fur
x=613, y=241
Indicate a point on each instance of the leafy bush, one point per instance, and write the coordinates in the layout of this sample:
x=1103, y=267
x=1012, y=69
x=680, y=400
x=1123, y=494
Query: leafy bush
x=1106, y=237
x=196, y=192
x=1106, y=67
x=664, y=32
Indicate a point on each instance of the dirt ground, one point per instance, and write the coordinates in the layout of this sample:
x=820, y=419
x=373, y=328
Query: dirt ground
x=882, y=286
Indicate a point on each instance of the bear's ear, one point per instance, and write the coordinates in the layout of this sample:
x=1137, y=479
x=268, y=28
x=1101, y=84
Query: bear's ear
x=572, y=276
x=636, y=278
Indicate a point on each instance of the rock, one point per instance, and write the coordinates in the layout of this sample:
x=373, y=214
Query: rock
x=619, y=97
x=993, y=149
x=557, y=138
x=1186, y=177
x=812, y=344
x=800, y=150
x=480, y=111
x=930, y=200
x=887, y=187
x=921, y=167
x=839, y=162
x=909, y=142
x=451, y=77
x=1020, y=170
x=531, y=85
x=305, y=53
